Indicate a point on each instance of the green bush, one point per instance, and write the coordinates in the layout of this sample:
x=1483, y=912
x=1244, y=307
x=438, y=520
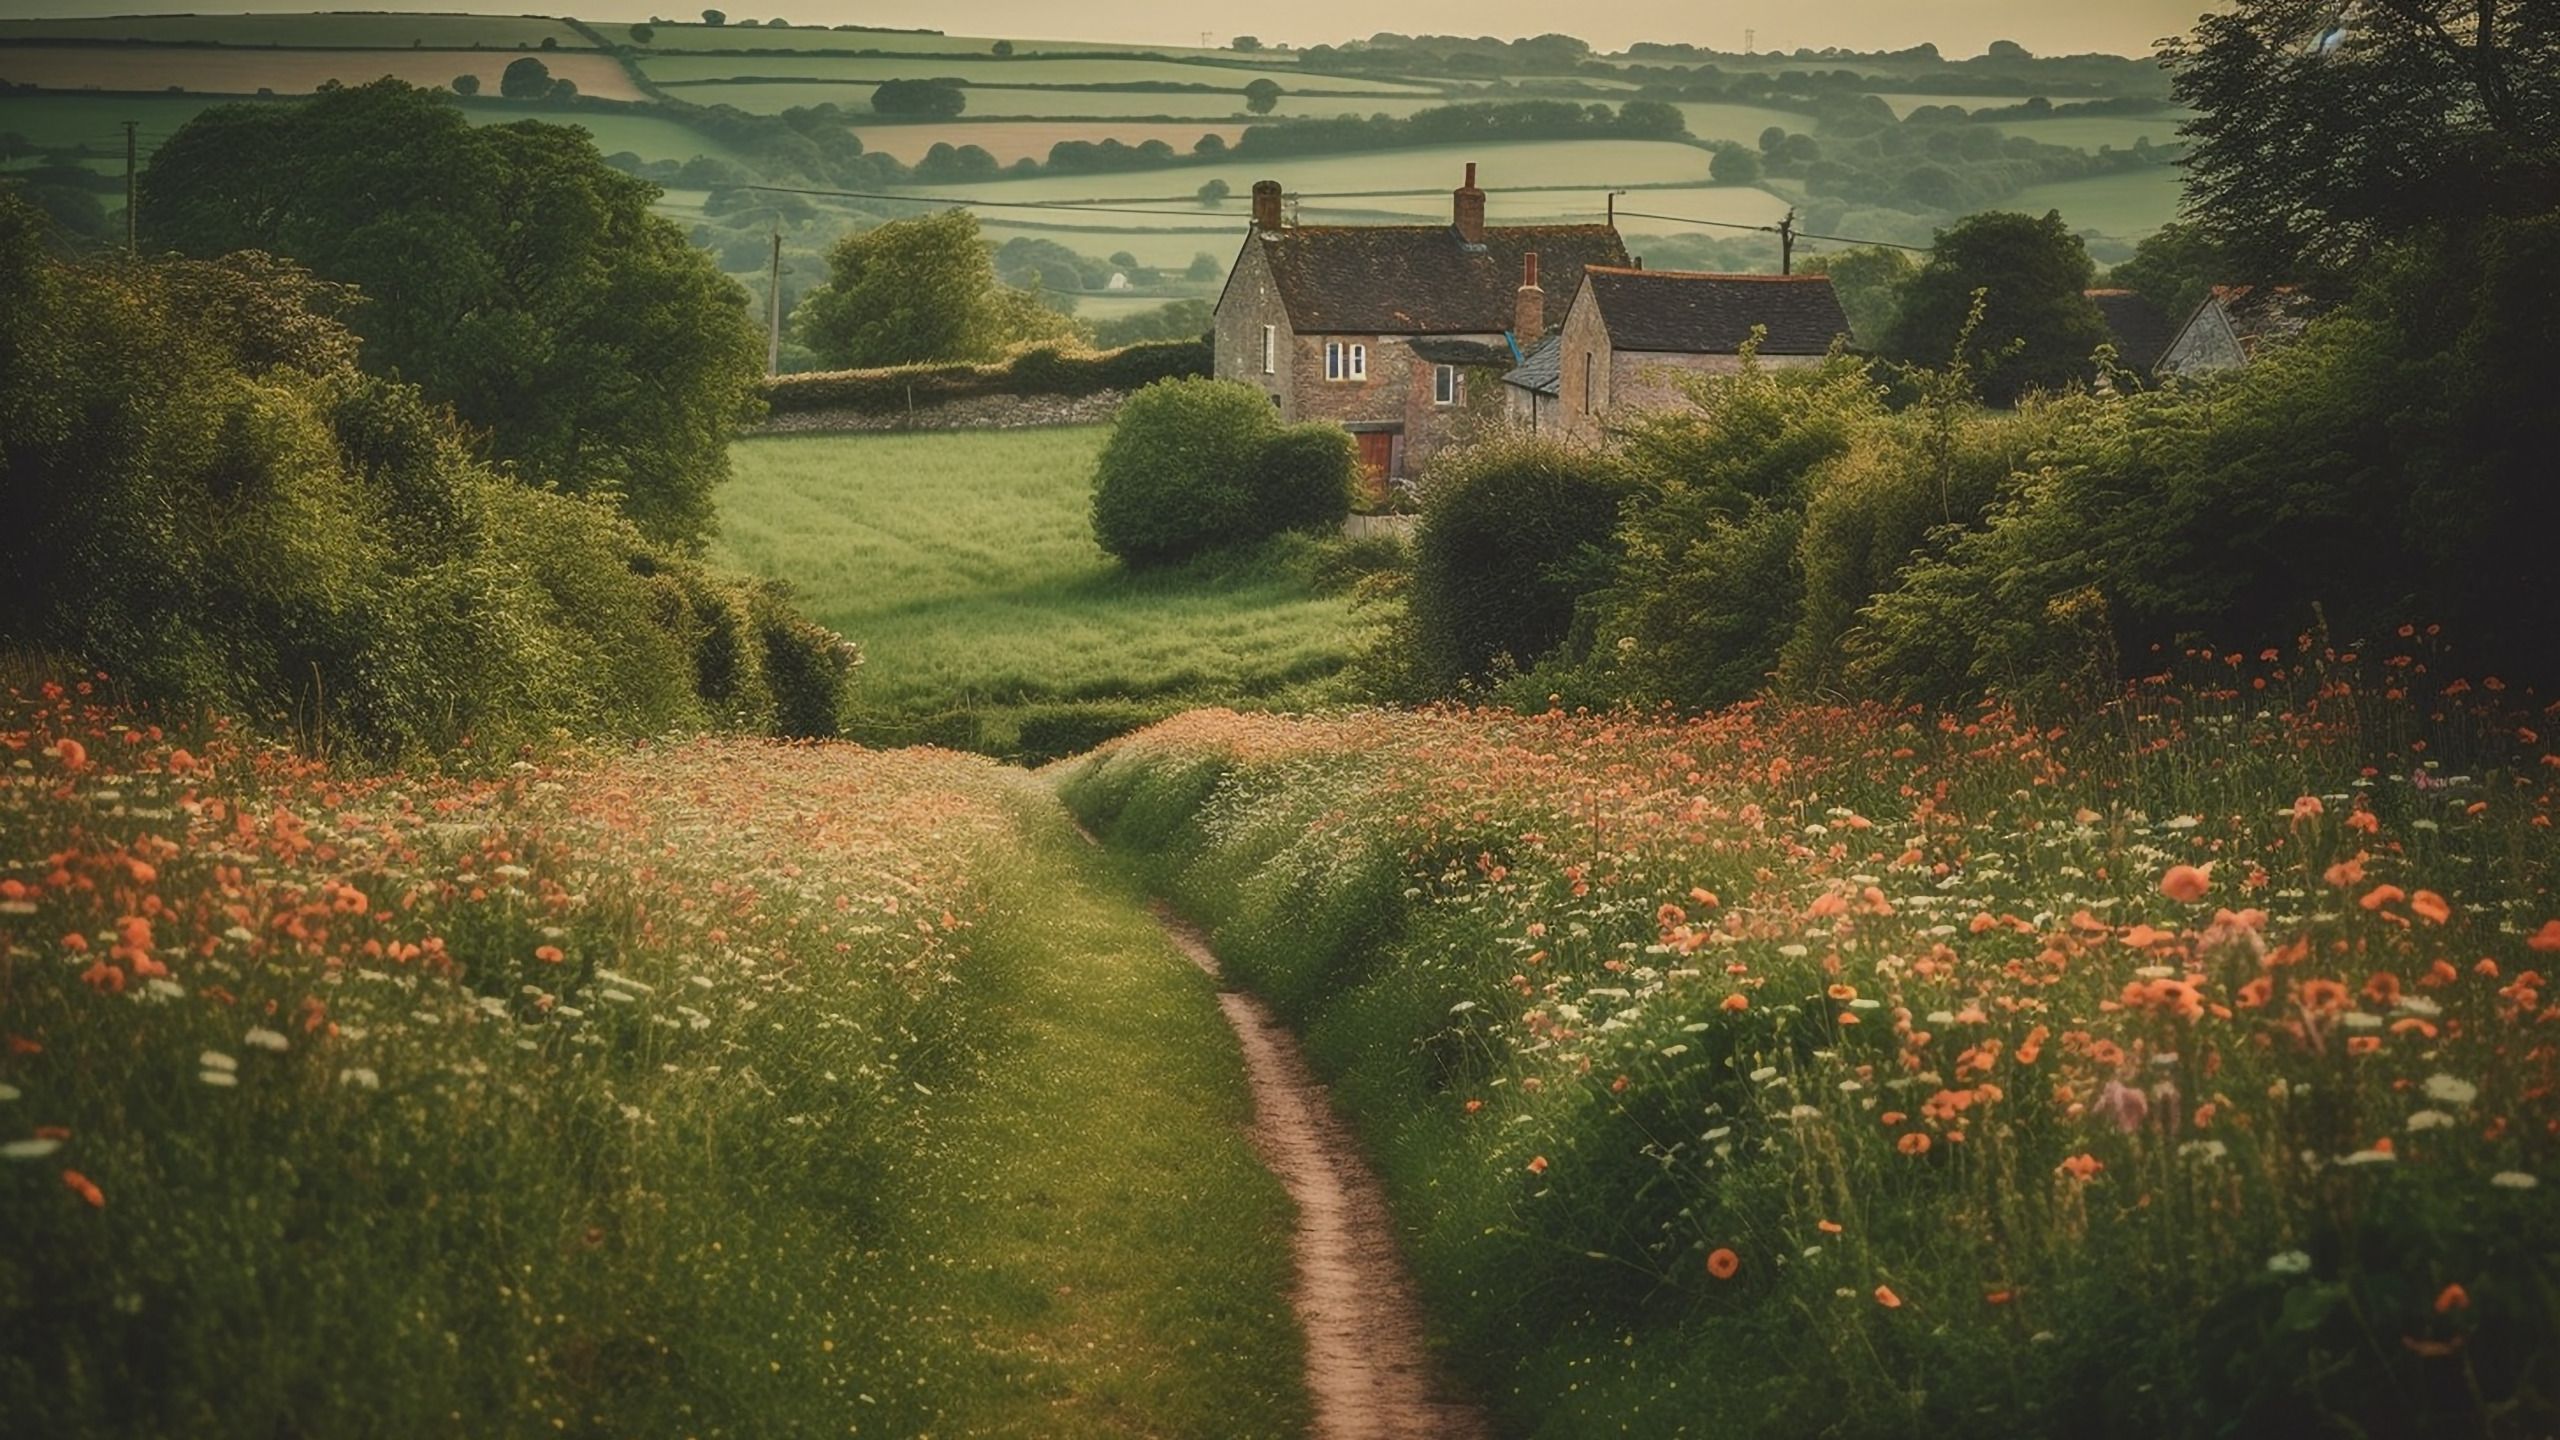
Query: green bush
x=1509, y=530
x=1038, y=370
x=1176, y=476
x=1303, y=478
x=1054, y=732
x=214, y=505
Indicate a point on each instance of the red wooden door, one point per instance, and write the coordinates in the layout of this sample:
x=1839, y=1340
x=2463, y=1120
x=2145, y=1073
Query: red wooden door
x=1377, y=453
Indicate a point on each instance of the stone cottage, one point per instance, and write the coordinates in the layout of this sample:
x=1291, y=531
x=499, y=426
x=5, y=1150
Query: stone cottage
x=1395, y=332
x=1631, y=334
x=2232, y=325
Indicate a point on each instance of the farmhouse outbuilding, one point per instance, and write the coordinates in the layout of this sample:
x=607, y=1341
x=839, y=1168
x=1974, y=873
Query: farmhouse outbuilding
x=2232, y=326
x=1632, y=334
x=1396, y=332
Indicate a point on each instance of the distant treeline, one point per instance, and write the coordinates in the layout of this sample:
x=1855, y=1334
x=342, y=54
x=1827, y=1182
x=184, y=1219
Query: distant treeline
x=1452, y=124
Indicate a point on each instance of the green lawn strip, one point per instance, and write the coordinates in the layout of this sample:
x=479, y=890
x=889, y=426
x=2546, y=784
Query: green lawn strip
x=1102, y=1253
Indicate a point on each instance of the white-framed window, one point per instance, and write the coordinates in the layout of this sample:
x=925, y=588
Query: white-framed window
x=1270, y=348
x=1333, y=360
x=1359, y=362
x=1444, y=384
x=1345, y=361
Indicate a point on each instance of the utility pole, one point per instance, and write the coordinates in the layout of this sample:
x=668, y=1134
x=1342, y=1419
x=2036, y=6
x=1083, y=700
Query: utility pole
x=1787, y=243
x=128, y=186
x=1613, y=208
x=773, y=312
x=1748, y=37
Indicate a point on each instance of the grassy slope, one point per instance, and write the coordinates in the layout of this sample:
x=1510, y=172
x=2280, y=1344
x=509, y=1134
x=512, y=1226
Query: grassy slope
x=965, y=566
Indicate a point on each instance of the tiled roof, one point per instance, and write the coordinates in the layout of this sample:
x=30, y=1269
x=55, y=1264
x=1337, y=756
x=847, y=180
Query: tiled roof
x=1543, y=370
x=2140, y=330
x=2259, y=314
x=1423, y=279
x=1470, y=353
x=1683, y=313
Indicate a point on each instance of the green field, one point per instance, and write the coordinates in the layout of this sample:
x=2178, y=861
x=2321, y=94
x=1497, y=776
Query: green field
x=1010, y=140
x=1512, y=165
x=689, y=69
x=964, y=564
x=55, y=120
x=2124, y=206
x=680, y=38
x=1904, y=103
x=389, y=31
x=988, y=102
x=1740, y=122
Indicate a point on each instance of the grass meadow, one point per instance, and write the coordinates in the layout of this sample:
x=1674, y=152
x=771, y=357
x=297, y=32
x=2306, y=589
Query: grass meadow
x=2124, y=206
x=227, y=70
x=375, y=30
x=964, y=564
x=2185, y=1069
x=720, y=1088
x=992, y=70
x=1011, y=140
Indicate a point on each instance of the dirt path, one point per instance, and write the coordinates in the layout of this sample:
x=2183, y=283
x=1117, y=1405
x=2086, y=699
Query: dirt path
x=1368, y=1372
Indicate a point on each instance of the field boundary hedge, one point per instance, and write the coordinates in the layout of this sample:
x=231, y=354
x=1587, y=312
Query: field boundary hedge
x=1040, y=370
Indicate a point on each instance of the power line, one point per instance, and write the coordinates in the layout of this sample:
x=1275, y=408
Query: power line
x=1772, y=230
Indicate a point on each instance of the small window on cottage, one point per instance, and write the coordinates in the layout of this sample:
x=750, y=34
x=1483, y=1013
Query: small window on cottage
x=1587, y=371
x=1270, y=348
x=1333, y=359
x=1444, y=385
x=1359, y=362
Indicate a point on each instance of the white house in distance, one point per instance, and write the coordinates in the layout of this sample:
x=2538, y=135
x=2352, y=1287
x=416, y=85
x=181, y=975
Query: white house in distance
x=1631, y=333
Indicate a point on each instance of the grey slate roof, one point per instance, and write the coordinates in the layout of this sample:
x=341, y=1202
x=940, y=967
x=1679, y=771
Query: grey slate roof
x=2142, y=333
x=1424, y=279
x=1543, y=371
x=1685, y=313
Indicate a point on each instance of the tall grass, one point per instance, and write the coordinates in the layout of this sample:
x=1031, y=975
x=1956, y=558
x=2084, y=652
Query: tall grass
x=1871, y=1072
x=964, y=565
x=714, y=1090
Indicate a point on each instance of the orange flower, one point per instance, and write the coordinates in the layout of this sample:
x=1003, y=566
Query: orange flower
x=548, y=954
x=2381, y=895
x=1828, y=1227
x=1886, y=1298
x=1915, y=1143
x=2186, y=884
x=2547, y=938
x=74, y=755
x=2452, y=1298
x=1723, y=1263
x=81, y=1186
x=1737, y=1001
x=1538, y=1165
x=2082, y=1167
x=2308, y=807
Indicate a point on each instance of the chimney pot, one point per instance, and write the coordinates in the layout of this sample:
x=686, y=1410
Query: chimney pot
x=1266, y=206
x=1471, y=174
x=1529, y=307
x=1466, y=209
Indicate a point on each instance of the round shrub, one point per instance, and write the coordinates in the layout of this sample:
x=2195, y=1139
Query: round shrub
x=1176, y=476
x=1508, y=526
x=1303, y=478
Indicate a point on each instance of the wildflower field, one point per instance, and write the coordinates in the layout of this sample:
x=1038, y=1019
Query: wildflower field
x=717, y=1088
x=2185, y=1069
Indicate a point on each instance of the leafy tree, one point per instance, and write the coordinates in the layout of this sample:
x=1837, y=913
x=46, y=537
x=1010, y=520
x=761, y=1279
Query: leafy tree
x=643, y=34
x=2174, y=268
x=1262, y=95
x=1869, y=280
x=1303, y=478
x=563, y=88
x=936, y=99
x=1210, y=143
x=1203, y=266
x=913, y=291
x=1212, y=191
x=714, y=17
x=1178, y=320
x=525, y=79
x=466, y=84
x=1244, y=44
x=1177, y=475
x=507, y=271
x=1734, y=165
x=1001, y=47
x=2307, y=155
x=550, y=42
x=2038, y=329
x=1773, y=140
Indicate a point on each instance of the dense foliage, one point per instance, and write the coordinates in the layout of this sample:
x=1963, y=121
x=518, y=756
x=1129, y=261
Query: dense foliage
x=2036, y=328
x=211, y=498
x=506, y=271
x=1032, y=370
x=1177, y=475
x=1512, y=529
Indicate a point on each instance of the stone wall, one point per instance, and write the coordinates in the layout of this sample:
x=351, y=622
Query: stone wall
x=1251, y=301
x=982, y=412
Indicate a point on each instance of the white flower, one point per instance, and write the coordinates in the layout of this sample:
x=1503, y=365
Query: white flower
x=1764, y=1074
x=2419, y=1005
x=2513, y=1180
x=265, y=1039
x=2451, y=1090
x=9, y=1092
x=361, y=1077
x=28, y=1149
x=239, y=934
x=218, y=1079
x=2429, y=1120
x=2182, y=822
x=2289, y=1262
x=2204, y=1149
x=216, y=1060
x=2359, y=1020
x=2370, y=1157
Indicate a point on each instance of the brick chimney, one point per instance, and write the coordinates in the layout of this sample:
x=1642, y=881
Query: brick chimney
x=1529, y=309
x=1266, y=206
x=1466, y=209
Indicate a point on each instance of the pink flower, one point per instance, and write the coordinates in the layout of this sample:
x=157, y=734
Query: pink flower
x=2123, y=1105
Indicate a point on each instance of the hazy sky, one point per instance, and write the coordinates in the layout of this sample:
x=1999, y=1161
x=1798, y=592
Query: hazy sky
x=1959, y=27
